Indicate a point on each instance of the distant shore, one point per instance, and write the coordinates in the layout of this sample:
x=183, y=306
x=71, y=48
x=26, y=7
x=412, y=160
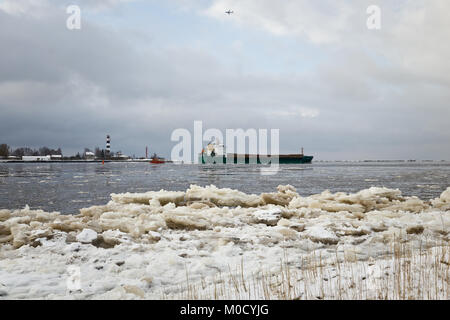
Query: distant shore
x=79, y=161
x=171, y=161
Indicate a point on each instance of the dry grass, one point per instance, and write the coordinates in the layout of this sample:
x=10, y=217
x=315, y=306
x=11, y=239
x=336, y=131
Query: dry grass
x=404, y=273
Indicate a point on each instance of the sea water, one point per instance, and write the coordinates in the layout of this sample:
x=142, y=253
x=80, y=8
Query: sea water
x=68, y=187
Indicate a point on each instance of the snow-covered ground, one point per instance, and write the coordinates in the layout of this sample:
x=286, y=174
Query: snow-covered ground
x=222, y=243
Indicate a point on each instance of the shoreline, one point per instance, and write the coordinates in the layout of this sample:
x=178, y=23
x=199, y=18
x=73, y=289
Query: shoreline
x=81, y=161
x=177, y=162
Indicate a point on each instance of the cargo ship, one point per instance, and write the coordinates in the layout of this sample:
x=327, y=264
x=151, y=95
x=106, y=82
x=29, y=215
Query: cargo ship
x=215, y=154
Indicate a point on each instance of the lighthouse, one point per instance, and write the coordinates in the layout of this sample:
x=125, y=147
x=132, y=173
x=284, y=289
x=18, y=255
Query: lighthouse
x=108, y=146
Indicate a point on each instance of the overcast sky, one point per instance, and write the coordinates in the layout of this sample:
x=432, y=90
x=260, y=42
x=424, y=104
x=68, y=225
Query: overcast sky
x=137, y=70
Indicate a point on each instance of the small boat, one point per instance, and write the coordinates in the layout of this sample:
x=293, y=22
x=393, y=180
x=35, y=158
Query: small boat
x=157, y=160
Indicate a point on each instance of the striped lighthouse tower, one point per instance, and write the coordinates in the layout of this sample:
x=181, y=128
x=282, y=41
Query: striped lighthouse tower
x=108, y=146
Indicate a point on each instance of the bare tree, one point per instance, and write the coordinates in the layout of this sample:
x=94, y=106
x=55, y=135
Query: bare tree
x=4, y=150
x=99, y=153
x=25, y=151
x=19, y=152
x=44, y=151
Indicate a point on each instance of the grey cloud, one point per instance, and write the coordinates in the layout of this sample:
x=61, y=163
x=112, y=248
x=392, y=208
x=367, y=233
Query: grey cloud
x=68, y=89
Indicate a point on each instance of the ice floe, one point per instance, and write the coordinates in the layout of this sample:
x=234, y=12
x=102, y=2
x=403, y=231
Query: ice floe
x=142, y=245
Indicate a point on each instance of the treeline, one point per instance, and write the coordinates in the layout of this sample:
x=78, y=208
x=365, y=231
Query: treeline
x=6, y=151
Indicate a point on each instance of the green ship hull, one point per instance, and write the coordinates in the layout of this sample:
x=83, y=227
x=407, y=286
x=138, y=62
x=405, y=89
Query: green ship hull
x=253, y=159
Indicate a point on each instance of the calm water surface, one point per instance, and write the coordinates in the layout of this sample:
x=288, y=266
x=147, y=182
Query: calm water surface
x=67, y=187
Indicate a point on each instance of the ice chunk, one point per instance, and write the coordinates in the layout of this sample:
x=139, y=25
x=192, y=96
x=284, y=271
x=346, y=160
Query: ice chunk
x=443, y=202
x=445, y=196
x=184, y=222
x=269, y=217
x=87, y=236
x=73, y=247
x=320, y=234
x=5, y=215
x=222, y=197
x=163, y=196
x=283, y=197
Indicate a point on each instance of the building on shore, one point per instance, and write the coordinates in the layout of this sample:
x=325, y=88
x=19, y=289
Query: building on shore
x=36, y=158
x=89, y=155
x=121, y=156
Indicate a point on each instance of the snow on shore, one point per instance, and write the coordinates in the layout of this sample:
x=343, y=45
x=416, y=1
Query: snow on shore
x=149, y=245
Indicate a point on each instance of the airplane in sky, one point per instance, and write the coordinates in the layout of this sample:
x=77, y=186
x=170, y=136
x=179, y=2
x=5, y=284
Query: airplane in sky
x=229, y=12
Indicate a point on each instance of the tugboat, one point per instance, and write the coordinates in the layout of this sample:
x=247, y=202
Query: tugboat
x=215, y=154
x=157, y=160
